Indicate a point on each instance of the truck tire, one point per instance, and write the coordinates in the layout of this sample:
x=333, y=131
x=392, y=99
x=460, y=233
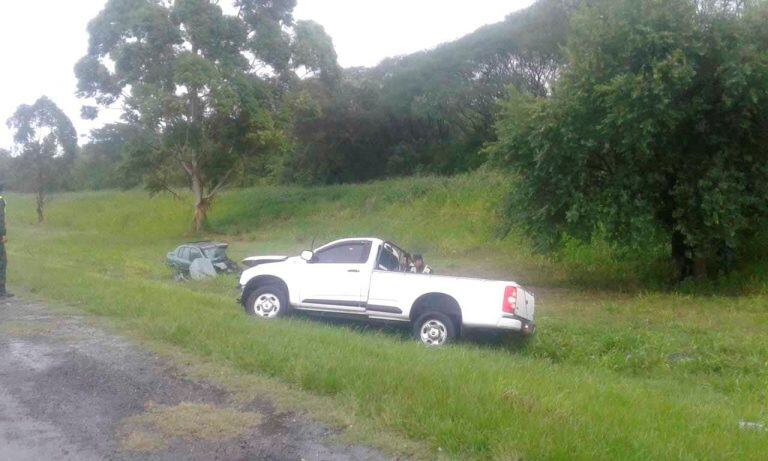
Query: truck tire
x=268, y=301
x=434, y=329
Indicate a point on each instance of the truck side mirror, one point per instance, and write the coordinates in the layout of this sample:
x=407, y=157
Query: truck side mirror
x=307, y=255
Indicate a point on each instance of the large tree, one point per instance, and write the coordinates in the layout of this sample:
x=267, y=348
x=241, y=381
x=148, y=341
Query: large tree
x=46, y=142
x=204, y=82
x=658, y=121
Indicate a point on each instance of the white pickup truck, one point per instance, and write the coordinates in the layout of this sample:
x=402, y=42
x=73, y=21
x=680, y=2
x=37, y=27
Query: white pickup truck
x=370, y=278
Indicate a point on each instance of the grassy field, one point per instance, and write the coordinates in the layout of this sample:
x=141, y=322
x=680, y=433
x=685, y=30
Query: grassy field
x=615, y=372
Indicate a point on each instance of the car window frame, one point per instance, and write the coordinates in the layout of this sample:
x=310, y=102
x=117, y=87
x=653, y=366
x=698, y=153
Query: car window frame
x=214, y=250
x=382, y=249
x=367, y=244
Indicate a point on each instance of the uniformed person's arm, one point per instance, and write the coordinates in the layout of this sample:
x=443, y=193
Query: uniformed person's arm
x=2, y=217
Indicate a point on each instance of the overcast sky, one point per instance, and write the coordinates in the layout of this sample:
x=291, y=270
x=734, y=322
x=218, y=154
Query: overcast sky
x=40, y=40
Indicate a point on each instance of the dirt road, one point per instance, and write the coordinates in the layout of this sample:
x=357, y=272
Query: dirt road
x=72, y=391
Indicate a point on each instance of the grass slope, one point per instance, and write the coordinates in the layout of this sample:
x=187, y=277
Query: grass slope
x=614, y=373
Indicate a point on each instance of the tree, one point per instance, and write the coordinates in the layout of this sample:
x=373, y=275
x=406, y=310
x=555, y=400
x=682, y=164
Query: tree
x=202, y=81
x=429, y=111
x=47, y=142
x=312, y=49
x=115, y=157
x=659, y=120
x=6, y=159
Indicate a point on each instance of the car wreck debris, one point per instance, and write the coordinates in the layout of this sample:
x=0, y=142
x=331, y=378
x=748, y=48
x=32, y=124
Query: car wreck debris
x=202, y=268
x=200, y=260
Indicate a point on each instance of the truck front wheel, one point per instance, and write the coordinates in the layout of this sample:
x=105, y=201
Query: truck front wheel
x=269, y=301
x=434, y=329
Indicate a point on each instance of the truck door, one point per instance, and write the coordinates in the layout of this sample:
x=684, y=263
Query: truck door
x=337, y=278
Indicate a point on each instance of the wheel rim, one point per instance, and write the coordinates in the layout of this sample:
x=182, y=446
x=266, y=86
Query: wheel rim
x=266, y=305
x=434, y=333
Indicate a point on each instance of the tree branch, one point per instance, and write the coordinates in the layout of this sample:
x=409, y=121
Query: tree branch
x=175, y=195
x=183, y=162
x=221, y=183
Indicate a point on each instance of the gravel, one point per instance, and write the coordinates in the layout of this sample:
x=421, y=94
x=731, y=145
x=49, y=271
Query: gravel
x=67, y=387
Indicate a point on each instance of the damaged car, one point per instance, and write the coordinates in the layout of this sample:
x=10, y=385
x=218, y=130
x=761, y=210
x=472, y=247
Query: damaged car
x=184, y=255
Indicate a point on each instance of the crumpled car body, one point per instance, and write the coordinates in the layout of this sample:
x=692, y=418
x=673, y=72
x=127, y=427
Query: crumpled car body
x=202, y=268
x=182, y=257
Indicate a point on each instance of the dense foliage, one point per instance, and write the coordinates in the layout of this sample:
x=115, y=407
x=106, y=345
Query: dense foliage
x=430, y=111
x=273, y=105
x=212, y=97
x=112, y=158
x=657, y=123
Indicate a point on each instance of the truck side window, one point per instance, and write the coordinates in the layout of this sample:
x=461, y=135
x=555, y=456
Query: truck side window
x=184, y=253
x=344, y=253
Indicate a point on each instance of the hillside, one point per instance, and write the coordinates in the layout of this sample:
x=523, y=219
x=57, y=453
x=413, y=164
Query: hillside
x=620, y=371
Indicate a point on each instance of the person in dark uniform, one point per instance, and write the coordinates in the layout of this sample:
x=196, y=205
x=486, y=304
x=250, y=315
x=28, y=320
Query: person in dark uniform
x=3, y=256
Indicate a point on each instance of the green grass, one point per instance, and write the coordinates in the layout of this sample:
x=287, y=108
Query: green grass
x=616, y=371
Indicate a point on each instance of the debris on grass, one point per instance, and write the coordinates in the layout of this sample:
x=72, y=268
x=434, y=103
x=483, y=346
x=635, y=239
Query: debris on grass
x=752, y=426
x=681, y=357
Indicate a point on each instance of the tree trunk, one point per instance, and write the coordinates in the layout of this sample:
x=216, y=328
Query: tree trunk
x=700, y=269
x=40, y=195
x=201, y=215
x=202, y=204
x=681, y=255
x=40, y=201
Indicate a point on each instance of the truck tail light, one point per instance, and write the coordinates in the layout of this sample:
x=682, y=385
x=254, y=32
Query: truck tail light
x=509, y=304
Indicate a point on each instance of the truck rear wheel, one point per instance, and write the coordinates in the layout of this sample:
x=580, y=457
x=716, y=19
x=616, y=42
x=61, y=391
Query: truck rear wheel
x=269, y=301
x=434, y=329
